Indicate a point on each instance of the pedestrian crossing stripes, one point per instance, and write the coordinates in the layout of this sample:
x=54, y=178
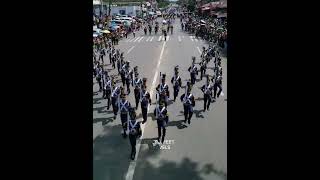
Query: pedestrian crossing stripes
x=191, y=37
x=161, y=38
x=136, y=39
x=140, y=39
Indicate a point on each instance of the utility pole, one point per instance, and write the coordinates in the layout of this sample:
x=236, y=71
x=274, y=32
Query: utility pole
x=109, y=8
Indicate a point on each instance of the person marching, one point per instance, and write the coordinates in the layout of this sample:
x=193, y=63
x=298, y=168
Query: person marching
x=165, y=35
x=137, y=88
x=128, y=76
x=99, y=76
x=145, y=30
x=123, y=73
x=218, y=69
x=110, y=54
x=156, y=28
x=145, y=100
x=163, y=90
x=188, y=103
x=135, y=132
x=101, y=54
x=150, y=29
x=105, y=79
x=193, y=71
x=171, y=28
x=162, y=117
x=108, y=89
x=124, y=107
x=115, y=96
x=114, y=58
x=203, y=68
x=207, y=93
x=176, y=81
x=217, y=84
x=120, y=62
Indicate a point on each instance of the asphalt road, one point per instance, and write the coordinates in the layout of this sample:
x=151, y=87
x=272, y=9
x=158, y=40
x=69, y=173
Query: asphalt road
x=199, y=151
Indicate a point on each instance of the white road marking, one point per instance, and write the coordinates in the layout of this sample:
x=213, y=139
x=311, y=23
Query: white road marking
x=151, y=39
x=196, y=39
x=130, y=49
x=140, y=39
x=127, y=40
x=132, y=165
x=191, y=38
x=131, y=39
x=159, y=38
x=179, y=38
x=148, y=39
x=136, y=39
x=168, y=38
x=199, y=49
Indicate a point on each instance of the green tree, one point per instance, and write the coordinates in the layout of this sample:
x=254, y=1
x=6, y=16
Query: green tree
x=191, y=5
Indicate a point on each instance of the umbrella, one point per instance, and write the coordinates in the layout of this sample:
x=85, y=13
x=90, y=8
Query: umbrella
x=164, y=21
x=105, y=31
x=97, y=30
x=115, y=27
x=127, y=23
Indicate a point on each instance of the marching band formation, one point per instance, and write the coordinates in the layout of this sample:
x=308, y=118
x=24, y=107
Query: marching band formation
x=116, y=95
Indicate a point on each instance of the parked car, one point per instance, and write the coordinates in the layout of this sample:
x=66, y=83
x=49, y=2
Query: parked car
x=159, y=14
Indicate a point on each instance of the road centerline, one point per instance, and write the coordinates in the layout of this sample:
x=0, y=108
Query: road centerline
x=132, y=165
x=130, y=49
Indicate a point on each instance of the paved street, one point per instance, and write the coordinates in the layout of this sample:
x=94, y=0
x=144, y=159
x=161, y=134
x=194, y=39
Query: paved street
x=199, y=151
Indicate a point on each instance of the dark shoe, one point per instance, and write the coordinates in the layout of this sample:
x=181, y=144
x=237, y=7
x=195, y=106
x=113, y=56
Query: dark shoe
x=185, y=121
x=188, y=121
x=114, y=117
x=133, y=156
x=144, y=121
x=162, y=140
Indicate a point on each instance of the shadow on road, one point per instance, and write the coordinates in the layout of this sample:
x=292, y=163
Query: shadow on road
x=103, y=109
x=103, y=120
x=97, y=100
x=170, y=170
x=111, y=155
x=150, y=114
x=195, y=112
x=178, y=124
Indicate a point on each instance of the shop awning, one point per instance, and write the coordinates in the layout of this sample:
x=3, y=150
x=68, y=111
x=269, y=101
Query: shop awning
x=205, y=8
